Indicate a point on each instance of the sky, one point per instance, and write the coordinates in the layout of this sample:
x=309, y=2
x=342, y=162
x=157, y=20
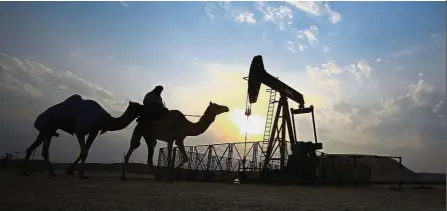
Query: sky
x=374, y=71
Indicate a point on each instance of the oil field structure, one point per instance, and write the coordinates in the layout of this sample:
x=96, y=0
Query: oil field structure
x=280, y=158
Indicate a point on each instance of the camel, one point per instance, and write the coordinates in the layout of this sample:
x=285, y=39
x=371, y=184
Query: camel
x=79, y=117
x=169, y=127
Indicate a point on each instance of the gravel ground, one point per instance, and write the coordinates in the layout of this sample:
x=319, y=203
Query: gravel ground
x=104, y=192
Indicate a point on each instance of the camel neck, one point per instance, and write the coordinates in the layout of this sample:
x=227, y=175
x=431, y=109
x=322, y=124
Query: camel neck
x=202, y=125
x=119, y=123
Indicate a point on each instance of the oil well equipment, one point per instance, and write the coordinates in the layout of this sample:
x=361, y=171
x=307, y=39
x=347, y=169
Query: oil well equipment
x=301, y=165
x=280, y=158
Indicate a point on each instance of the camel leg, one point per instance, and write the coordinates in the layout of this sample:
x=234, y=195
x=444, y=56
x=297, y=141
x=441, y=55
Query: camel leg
x=84, y=153
x=71, y=169
x=81, y=140
x=134, y=144
x=46, y=157
x=30, y=150
x=181, y=147
x=170, y=178
x=151, y=143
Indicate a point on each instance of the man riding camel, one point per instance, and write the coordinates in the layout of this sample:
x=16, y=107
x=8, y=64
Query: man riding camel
x=153, y=103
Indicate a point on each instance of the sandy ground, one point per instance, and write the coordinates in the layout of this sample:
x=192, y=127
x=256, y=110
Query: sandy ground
x=106, y=192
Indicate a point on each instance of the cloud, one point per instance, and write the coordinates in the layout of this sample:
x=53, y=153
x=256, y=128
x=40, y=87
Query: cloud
x=317, y=9
x=409, y=124
x=246, y=17
x=404, y=125
x=293, y=47
x=438, y=107
x=30, y=89
x=213, y=9
x=309, y=34
x=362, y=70
x=302, y=47
x=419, y=92
x=421, y=75
x=36, y=81
x=282, y=16
x=325, y=48
x=324, y=78
x=230, y=12
x=410, y=112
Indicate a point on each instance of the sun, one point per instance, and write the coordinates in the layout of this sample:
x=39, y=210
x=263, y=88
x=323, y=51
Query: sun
x=253, y=126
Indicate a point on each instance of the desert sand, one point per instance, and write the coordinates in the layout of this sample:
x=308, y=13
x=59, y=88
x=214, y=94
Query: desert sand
x=106, y=192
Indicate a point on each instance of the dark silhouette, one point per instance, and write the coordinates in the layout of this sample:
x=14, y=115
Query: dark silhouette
x=153, y=103
x=79, y=117
x=169, y=127
x=303, y=154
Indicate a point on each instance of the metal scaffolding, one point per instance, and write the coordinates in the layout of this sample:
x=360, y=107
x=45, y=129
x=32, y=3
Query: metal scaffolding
x=220, y=157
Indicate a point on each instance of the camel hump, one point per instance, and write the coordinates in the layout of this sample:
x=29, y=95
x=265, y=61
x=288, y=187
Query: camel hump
x=51, y=117
x=59, y=116
x=73, y=99
x=91, y=108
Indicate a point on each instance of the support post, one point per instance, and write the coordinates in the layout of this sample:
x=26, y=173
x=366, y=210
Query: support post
x=210, y=157
x=174, y=153
x=313, y=124
x=287, y=119
x=190, y=159
x=282, y=140
x=160, y=157
x=286, y=123
x=254, y=159
x=230, y=156
x=295, y=136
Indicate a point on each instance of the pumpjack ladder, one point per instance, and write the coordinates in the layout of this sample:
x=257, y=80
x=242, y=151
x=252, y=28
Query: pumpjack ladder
x=268, y=122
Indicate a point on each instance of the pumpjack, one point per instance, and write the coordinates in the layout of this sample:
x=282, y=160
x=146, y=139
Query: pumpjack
x=301, y=166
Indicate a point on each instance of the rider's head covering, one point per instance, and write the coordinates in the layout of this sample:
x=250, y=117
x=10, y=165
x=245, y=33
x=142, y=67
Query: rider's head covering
x=157, y=90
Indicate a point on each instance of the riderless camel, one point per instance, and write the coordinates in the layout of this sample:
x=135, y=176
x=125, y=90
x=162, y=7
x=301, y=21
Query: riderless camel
x=79, y=117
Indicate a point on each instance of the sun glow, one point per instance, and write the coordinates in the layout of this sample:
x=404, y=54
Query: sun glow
x=253, y=126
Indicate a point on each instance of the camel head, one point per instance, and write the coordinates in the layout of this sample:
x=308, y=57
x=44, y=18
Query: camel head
x=216, y=109
x=134, y=109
